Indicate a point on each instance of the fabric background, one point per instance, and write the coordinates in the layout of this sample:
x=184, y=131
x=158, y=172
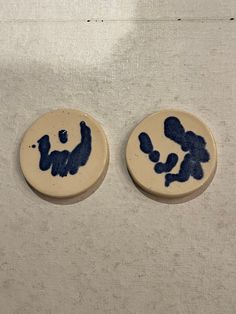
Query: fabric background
x=117, y=251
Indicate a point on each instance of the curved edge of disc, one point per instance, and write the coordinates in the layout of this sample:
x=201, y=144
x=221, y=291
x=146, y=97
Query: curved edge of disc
x=176, y=200
x=76, y=198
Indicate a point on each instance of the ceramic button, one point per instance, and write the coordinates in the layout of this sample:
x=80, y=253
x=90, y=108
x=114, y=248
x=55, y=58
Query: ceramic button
x=171, y=155
x=64, y=154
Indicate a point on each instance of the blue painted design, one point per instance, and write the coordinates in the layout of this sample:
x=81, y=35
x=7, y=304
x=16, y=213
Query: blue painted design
x=190, y=142
x=170, y=163
x=146, y=147
x=154, y=156
x=64, y=162
x=193, y=144
x=63, y=136
x=145, y=143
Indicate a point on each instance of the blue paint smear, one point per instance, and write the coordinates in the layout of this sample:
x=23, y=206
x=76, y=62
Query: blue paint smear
x=63, y=136
x=190, y=142
x=145, y=143
x=170, y=163
x=193, y=144
x=154, y=156
x=64, y=162
x=146, y=147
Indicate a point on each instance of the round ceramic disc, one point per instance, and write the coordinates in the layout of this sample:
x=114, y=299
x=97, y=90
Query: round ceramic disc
x=171, y=154
x=64, y=153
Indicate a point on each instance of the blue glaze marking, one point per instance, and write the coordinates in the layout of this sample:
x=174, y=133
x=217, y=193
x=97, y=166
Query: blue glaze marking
x=193, y=144
x=190, y=142
x=170, y=163
x=147, y=147
x=187, y=168
x=64, y=162
x=154, y=156
x=63, y=136
x=145, y=143
x=173, y=129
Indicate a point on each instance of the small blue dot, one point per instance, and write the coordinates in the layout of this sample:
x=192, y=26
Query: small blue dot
x=154, y=156
x=63, y=137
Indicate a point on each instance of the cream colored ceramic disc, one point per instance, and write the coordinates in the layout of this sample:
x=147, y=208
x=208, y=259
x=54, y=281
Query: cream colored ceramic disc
x=64, y=153
x=171, y=154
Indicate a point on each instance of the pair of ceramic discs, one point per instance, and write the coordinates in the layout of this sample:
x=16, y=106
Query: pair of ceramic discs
x=170, y=155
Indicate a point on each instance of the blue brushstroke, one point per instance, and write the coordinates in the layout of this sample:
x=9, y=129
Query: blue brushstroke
x=146, y=147
x=64, y=162
x=170, y=163
x=63, y=136
x=145, y=143
x=154, y=156
x=193, y=144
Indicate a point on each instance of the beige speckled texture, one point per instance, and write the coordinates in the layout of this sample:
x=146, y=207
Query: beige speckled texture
x=117, y=252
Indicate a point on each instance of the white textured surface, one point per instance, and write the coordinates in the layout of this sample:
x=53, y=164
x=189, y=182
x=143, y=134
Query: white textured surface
x=117, y=251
